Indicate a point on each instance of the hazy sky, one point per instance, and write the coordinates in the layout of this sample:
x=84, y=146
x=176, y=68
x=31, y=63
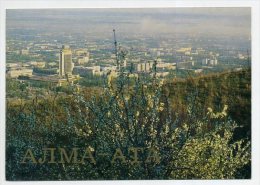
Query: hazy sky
x=209, y=21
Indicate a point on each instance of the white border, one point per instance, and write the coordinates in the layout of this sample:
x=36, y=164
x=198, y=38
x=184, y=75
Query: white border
x=255, y=7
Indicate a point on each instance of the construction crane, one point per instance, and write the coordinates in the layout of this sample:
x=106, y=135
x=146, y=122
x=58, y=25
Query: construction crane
x=116, y=50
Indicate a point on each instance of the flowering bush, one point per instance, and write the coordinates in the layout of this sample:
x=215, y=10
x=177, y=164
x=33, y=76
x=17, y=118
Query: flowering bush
x=128, y=121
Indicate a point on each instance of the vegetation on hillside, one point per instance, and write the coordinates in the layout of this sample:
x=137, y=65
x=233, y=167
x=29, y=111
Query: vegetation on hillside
x=181, y=129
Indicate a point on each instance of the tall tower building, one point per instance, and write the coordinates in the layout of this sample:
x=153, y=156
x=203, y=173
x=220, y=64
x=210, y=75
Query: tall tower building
x=65, y=65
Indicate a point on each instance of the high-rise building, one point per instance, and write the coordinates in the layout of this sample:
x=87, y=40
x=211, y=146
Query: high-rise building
x=205, y=61
x=143, y=67
x=65, y=65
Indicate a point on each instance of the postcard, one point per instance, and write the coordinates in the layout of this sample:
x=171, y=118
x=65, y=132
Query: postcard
x=147, y=93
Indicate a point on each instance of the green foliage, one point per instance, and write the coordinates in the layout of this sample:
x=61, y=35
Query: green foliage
x=216, y=90
x=211, y=155
x=45, y=71
x=91, y=80
x=125, y=114
x=16, y=89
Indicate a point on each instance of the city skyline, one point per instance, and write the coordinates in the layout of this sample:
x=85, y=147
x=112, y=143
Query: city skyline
x=182, y=38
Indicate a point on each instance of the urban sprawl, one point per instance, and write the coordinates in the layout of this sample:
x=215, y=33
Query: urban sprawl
x=45, y=59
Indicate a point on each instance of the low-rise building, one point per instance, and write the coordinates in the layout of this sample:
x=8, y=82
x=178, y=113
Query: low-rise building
x=55, y=79
x=82, y=71
x=24, y=52
x=163, y=65
x=185, y=65
x=18, y=71
x=162, y=74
